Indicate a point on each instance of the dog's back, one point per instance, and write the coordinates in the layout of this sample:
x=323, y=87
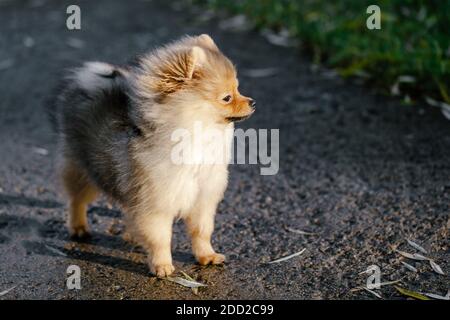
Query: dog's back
x=91, y=117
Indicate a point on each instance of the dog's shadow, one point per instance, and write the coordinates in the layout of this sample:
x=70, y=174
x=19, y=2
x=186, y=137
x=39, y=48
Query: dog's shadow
x=6, y=199
x=79, y=252
x=84, y=250
x=42, y=248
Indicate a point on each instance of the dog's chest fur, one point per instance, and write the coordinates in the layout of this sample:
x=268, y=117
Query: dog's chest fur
x=178, y=187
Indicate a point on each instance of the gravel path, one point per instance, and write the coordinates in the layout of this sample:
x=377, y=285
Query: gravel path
x=361, y=171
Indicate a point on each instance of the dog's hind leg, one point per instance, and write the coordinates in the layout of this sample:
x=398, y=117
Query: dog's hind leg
x=81, y=192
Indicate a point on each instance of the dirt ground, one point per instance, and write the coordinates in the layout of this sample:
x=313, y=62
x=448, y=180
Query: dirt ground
x=361, y=171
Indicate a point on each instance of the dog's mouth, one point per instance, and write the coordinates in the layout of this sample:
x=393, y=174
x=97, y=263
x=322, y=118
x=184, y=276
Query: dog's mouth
x=241, y=118
x=237, y=119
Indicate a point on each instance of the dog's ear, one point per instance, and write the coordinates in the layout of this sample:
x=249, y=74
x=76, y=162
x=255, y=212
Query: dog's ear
x=180, y=66
x=178, y=69
x=206, y=41
x=197, y=58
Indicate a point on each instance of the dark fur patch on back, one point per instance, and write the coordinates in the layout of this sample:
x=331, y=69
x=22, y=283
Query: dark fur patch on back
x=96, y=132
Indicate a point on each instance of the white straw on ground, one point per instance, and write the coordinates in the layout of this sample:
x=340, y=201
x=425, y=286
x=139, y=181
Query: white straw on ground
x=194, y=290
x=281, y=39
x=409, y=267
x=6, y=291
x=185, y=282
x=236, y=23
x=414, y=256
x=416, y=246
x=6, y=64
x=387, y=283
x=40, y=151
x=301, y=232
x=288, y=257
x=56, y=251
x=436, y=296
x=445, y=109
x=373, y=292
x=436, y=267
x=260, y=73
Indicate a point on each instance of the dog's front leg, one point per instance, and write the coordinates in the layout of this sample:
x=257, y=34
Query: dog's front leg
x=200, y=226
x=154, y=230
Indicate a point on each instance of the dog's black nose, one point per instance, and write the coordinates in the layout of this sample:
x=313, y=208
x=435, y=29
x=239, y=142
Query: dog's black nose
x=252, y=103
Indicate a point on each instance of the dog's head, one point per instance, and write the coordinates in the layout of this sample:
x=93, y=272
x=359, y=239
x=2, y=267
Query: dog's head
x=193, y=72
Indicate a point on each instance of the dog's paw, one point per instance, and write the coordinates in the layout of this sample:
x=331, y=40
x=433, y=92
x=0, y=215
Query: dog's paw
x=215, y=258
x=162, y=270
x=79, y=232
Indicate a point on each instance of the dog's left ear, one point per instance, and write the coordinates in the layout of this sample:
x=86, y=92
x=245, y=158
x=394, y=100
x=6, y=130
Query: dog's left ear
x=197, y=58
x=179, y=68
x=206, y=41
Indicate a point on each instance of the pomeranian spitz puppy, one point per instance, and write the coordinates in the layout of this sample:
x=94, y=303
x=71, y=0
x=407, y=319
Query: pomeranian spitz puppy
x=115, y=126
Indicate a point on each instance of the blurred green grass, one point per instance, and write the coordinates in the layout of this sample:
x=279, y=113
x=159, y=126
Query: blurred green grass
x=414, y=39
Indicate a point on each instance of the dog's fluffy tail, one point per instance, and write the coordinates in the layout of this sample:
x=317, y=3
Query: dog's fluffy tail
x=86, y=82
x=96, y=76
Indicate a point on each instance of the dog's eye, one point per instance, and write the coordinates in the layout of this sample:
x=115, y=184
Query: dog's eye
x=227, y=98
